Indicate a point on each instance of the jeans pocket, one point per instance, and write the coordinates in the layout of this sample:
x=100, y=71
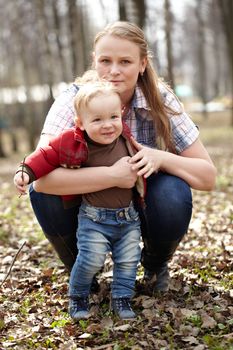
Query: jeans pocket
x=133, y=215
x=90, y=213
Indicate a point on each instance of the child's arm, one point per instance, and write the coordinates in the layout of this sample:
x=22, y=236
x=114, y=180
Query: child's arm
x=33, y=167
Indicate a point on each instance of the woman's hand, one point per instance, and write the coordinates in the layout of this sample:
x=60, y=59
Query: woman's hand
x=147, y=160
x=193, y=165
x=123, y=173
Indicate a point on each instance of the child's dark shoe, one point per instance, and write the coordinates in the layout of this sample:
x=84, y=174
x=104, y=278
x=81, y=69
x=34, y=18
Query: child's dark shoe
x=79, y=308
x=122, y=308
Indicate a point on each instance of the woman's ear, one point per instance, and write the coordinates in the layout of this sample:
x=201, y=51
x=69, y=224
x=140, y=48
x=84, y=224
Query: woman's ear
x=143, y=65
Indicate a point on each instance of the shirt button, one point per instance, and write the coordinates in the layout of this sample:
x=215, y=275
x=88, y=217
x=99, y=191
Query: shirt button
x=121, y=214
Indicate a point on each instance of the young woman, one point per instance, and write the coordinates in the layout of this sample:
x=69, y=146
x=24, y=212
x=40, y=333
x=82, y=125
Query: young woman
x=168, y=147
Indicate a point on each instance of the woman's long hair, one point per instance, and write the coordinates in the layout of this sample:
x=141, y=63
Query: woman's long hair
x=148, y=82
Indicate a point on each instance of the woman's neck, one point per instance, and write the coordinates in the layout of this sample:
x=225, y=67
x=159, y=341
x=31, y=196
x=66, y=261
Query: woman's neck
x=126, y=98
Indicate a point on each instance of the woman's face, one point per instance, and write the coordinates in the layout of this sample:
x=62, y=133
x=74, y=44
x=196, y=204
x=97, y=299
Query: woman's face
x=118, y=61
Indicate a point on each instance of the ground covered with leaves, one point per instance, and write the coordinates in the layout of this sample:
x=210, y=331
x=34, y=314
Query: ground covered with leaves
x=196, y=313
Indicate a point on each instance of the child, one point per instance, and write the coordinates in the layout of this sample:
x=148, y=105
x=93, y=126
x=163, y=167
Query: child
x=107, y=219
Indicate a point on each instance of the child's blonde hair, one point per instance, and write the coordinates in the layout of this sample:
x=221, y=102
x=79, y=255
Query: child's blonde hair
x=90, y=90
x=87, y=77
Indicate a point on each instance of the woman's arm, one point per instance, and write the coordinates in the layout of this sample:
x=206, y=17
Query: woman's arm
x=192, y=165
x=70, y=181
x=85, y=180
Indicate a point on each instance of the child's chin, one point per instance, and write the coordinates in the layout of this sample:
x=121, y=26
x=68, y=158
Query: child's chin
x=107, y=142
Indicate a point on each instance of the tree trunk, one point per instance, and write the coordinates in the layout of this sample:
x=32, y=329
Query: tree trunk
x=168, y=30
x=14, y=141
x=133, y=11
x=58, y=34
x=202, y=81
x=77, y=38
x=122, y=11
x=2, y=153
x=226, y=10
x=140, y=12
x=217, y=48
x=47, y=58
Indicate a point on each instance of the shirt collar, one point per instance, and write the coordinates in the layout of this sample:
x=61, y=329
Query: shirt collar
x=139, y=100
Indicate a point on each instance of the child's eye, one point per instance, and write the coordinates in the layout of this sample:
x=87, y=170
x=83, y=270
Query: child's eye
x=96, y=120
x=125, y=62
x=114, y=116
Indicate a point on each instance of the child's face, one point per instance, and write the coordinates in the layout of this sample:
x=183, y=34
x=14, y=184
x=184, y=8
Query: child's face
x=102, y=119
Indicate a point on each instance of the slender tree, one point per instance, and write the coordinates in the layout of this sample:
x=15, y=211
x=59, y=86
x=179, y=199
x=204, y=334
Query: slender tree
x=140, y=12
x=2, y=152
x=226, y=10
x=168, y=31
x=46, y=53
x=202, y=82
x=78, y=36
x=122, y=10
x=57, y=30
x=133, y=10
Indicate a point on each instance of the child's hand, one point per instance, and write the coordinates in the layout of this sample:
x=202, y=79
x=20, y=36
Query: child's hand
x=21, y=181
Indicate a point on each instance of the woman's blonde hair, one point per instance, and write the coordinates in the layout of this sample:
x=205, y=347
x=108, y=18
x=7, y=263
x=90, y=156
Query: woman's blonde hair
x=90, y=90
x=148, y=81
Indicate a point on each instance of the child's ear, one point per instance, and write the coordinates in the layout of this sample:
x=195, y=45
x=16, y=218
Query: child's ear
x=79, y=123
x=93, y=60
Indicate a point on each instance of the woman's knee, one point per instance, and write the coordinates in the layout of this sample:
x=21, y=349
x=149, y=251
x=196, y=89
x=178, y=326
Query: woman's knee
x=168, y=206
x=51, y=215
x=168, y=193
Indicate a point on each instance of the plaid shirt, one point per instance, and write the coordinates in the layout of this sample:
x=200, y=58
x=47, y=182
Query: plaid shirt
x=138, y=118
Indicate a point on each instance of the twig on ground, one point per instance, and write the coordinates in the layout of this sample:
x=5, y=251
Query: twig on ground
x=12, y=263
x=105, y=346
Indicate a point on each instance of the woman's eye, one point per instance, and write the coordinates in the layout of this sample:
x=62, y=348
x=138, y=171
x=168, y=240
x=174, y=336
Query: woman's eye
x=104, y=60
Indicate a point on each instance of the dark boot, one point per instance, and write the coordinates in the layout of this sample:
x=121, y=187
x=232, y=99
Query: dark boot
x=65, y=247
x=158, y=280
x=155, y=262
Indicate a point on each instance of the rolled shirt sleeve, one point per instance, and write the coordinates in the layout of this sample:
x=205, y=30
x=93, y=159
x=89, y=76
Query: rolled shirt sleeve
x=184, y=131
x=61, y=114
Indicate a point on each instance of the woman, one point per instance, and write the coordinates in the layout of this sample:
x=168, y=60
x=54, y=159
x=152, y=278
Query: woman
x=167, y=143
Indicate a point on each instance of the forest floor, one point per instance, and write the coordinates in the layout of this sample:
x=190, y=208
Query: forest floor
x=195, y=314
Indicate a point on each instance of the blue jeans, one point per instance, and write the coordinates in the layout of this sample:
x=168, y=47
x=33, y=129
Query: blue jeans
x=101, y=231
x=164, y=221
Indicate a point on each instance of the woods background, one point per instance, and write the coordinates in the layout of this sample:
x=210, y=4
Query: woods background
x=46, y=44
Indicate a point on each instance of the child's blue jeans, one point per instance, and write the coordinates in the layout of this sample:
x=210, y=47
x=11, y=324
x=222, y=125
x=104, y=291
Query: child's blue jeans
x=103, y=230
